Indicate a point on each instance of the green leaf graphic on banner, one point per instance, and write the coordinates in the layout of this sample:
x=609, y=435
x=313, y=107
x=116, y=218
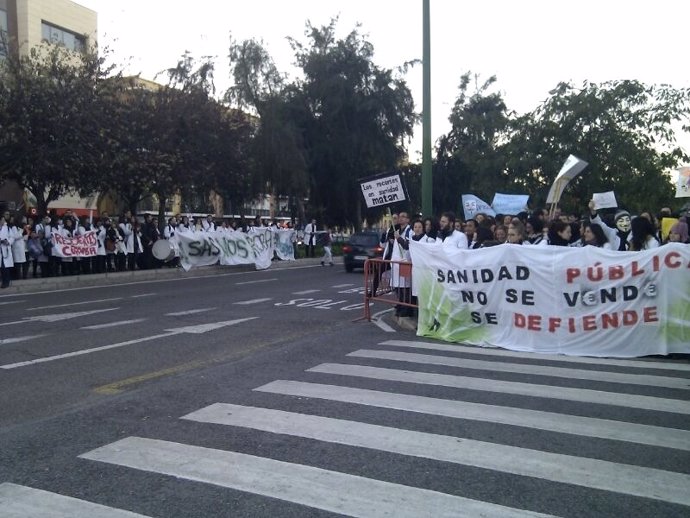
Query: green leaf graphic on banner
x=442, y=317
x=676, y=325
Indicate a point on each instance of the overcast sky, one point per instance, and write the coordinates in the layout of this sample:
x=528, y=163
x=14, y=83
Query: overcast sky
x=530, y=45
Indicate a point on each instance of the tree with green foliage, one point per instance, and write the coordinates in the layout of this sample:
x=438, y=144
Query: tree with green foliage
x=360, y=118
x=51, y=119
x=470, y=157
x=279, y=157
x=623, y=129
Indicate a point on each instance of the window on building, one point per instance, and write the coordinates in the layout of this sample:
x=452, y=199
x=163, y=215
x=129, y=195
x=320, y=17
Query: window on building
x=3, y=33
x=58, y=36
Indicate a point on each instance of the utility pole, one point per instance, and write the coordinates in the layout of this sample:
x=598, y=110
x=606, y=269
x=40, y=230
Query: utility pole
x=427, y=182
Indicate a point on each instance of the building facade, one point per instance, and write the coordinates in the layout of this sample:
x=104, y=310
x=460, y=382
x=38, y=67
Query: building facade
x=27, y=23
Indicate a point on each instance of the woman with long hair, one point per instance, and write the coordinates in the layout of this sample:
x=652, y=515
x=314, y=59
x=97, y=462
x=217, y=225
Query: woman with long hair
x=642, y=235
x=593, y=235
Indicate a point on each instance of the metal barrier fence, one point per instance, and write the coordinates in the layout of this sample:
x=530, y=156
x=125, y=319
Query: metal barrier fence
x=389, y=282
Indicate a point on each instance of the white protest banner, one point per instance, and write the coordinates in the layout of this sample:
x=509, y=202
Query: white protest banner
x=571, y=168
x=472, y=206
x=559, y=300
x=226, y=248
x=683, y=183
x=510, y=204
x=85, y=245
x=383, y=190
x=604, y=200
x=282, y=243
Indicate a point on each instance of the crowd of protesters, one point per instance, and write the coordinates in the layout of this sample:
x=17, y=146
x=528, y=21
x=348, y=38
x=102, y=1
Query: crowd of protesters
x=124, y=242
x=618, y=231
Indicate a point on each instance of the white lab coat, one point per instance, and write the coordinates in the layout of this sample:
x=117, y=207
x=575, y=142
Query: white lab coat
x=6, y=258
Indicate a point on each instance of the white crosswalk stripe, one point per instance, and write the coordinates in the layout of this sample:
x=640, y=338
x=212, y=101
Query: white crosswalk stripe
x=309, y=481
x=323, y=489
x=26, y=502
x=598, y=397
x=521, y=368
x=610, y=476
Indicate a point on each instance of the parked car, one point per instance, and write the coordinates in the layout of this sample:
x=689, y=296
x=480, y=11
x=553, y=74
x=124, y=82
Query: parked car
x=360, y=247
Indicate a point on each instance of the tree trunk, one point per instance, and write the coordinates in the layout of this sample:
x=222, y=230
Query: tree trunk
x=161, y=213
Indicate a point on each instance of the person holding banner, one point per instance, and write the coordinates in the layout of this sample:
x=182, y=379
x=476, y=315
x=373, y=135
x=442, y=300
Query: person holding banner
x=401, y=247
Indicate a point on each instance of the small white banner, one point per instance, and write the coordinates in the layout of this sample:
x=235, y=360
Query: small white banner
x=683, y=182
x=85, y=245
x=383, y=191
x=471, y=206
x=604, y=200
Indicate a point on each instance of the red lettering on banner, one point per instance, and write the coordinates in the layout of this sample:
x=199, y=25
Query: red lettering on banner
x=616, y=272
x=649, y=315
x=520, y=320
x=554, y=323
x=589, y=322
x=669, y=257
x=571, y=274
x=636, y=270
x=603, y=321
x=534, y=323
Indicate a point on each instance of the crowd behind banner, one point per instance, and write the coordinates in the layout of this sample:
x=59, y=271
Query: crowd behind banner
x=65, y=245
x=537, y=234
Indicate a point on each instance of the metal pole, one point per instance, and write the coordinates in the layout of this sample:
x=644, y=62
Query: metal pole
x=427, y=206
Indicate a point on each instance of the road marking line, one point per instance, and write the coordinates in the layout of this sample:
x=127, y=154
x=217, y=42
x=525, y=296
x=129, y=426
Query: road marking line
x=20, y=501
x=318, y=488
x=119, y=386
x=203, y=328
x=74, y=304
x=113, y=324
x=598, y=474
x=535, y=419
x=342, y=285
x=522, y=368
x=253, y=301
x=188, y=312
x=507, y=387
x=83, y=351
x=491, y=351
x=6, y=341
x=11, y=302
x=255, y=282
x=170, y=332
x=56, y=317
x=376, y=318
x=305, y=292
x=143, y=295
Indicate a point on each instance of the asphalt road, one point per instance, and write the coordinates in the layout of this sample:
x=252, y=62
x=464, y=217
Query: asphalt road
x=255, y=394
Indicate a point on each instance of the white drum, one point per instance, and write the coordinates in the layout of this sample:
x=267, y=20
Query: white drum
x=163, y=250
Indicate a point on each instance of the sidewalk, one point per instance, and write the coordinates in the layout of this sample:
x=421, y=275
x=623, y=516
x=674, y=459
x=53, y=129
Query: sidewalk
x=104, y=279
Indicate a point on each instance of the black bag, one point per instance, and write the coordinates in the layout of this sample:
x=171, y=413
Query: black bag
x=47, y=247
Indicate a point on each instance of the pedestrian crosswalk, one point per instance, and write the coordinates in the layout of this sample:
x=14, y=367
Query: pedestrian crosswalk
x=469, y=411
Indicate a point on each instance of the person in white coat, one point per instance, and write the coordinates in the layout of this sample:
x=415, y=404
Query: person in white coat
x=400, y=280
x=99, y=260
x=310, y=237
x=6, y=260
x=21, y=265
x=448, y=235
